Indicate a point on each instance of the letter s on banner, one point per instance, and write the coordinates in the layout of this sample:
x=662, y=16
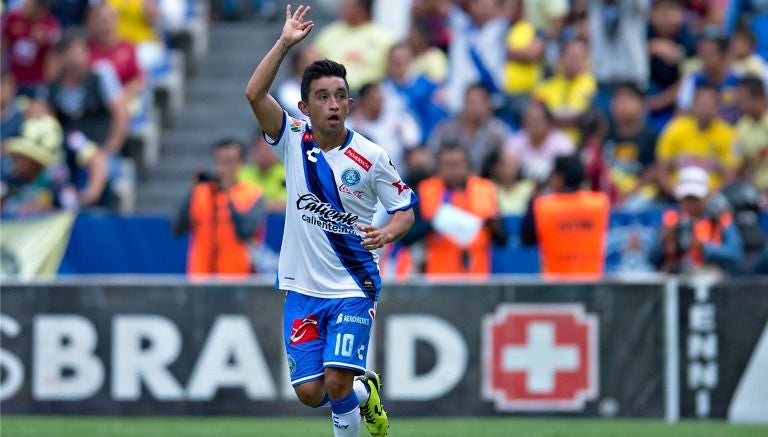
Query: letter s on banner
x=52, y=354
x=10, y=363
x=450, y=357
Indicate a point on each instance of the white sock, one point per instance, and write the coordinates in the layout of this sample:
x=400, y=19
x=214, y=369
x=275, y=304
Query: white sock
x=347, y=424
x=361, y=391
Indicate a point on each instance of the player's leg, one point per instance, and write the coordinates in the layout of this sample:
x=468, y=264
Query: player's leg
x=348, y=334
x=345, y=411
x=304, y=339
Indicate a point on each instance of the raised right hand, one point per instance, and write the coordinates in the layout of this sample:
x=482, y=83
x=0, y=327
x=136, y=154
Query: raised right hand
x=295, y=28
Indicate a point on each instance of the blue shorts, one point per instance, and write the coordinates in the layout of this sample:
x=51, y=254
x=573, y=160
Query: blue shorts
x=322, y=333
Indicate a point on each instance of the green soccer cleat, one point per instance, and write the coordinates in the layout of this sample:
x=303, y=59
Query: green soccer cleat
x=373, y=412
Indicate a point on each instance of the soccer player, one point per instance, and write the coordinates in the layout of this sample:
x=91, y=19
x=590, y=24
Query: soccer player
x=328, y=266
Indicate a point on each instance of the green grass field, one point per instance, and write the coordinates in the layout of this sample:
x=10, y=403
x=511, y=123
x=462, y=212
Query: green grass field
x=42, y=426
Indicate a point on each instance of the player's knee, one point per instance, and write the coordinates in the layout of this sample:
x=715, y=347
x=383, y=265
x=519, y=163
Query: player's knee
x=310, y=394
x=338, y=382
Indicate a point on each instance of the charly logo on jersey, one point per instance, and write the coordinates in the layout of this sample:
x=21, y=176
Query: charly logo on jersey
x=351, y=177
x=325, y=216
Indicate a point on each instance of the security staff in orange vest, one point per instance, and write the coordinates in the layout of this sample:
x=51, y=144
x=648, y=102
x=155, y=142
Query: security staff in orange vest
x=697, y=235
x=454, y=184
x=569, y=224
x=222, y=215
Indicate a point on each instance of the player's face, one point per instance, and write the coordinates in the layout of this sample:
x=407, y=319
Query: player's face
x=328, y=104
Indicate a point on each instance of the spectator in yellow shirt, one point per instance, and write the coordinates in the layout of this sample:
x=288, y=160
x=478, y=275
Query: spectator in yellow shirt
x=699, y=139
x=355, y=41
x=752, y=131
x=569, y=93
x=523, y=68
x=266, y=172
x=137, y=23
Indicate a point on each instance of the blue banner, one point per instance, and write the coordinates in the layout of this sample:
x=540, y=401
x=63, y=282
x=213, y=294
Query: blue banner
x=105, y=243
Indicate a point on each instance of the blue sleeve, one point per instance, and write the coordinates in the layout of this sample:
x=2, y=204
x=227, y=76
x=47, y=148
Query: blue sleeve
x=246, y=222
x=729, y=251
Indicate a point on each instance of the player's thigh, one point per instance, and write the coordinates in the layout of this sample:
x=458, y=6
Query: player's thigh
x=348, y=334
x=304, y=335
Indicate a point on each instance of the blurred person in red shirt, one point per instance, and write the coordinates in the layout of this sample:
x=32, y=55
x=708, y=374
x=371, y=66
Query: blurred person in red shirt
x=106, y=45
x=29, y=35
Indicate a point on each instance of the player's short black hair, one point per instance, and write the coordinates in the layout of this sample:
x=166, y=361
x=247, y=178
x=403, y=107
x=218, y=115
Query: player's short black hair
x=571, y=169
x=318, y=69
x=754, y=85
x=231, y=142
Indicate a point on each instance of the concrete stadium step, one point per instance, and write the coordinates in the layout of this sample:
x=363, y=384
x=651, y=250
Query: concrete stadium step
x=213, y=88
x=180, y=169
x=215, y=108
x=163, y=200
x=234, y=113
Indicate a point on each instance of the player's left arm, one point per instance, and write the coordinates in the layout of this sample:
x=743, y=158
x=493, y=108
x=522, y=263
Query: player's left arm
x=394, y=230
x=396, y=197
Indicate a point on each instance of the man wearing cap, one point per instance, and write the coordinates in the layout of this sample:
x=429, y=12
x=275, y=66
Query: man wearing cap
x=35, y=179
x=695, y=236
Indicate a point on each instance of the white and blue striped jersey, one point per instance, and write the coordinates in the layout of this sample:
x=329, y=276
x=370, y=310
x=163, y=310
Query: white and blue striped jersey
x=329, y=193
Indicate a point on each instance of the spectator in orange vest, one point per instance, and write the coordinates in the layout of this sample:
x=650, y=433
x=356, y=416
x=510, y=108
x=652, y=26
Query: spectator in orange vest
x=458, y=217
x=221, y=215
x=698, y=235
x=569, y=224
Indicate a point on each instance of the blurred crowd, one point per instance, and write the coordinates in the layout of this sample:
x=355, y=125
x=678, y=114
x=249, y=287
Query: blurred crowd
x=79, y=104
x=487, y=105
x=636, y=90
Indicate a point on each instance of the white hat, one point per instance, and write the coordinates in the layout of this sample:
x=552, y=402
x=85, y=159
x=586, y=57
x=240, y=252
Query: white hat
x=692, y=182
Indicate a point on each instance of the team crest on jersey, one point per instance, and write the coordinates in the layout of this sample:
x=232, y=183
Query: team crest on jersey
x=295, y=125
x=351, y=177
x=291, y=365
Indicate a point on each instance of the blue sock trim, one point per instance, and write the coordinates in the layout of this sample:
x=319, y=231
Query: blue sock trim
x=326, y=400
x=345, y=404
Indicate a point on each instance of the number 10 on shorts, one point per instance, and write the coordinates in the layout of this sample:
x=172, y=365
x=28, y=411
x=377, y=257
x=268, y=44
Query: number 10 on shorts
x=345, y=344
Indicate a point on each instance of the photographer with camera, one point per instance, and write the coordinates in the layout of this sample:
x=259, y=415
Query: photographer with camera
x=699, y=235
x=221, y=215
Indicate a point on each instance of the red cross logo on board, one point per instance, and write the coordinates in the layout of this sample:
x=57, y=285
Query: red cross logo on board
x=540, y=357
